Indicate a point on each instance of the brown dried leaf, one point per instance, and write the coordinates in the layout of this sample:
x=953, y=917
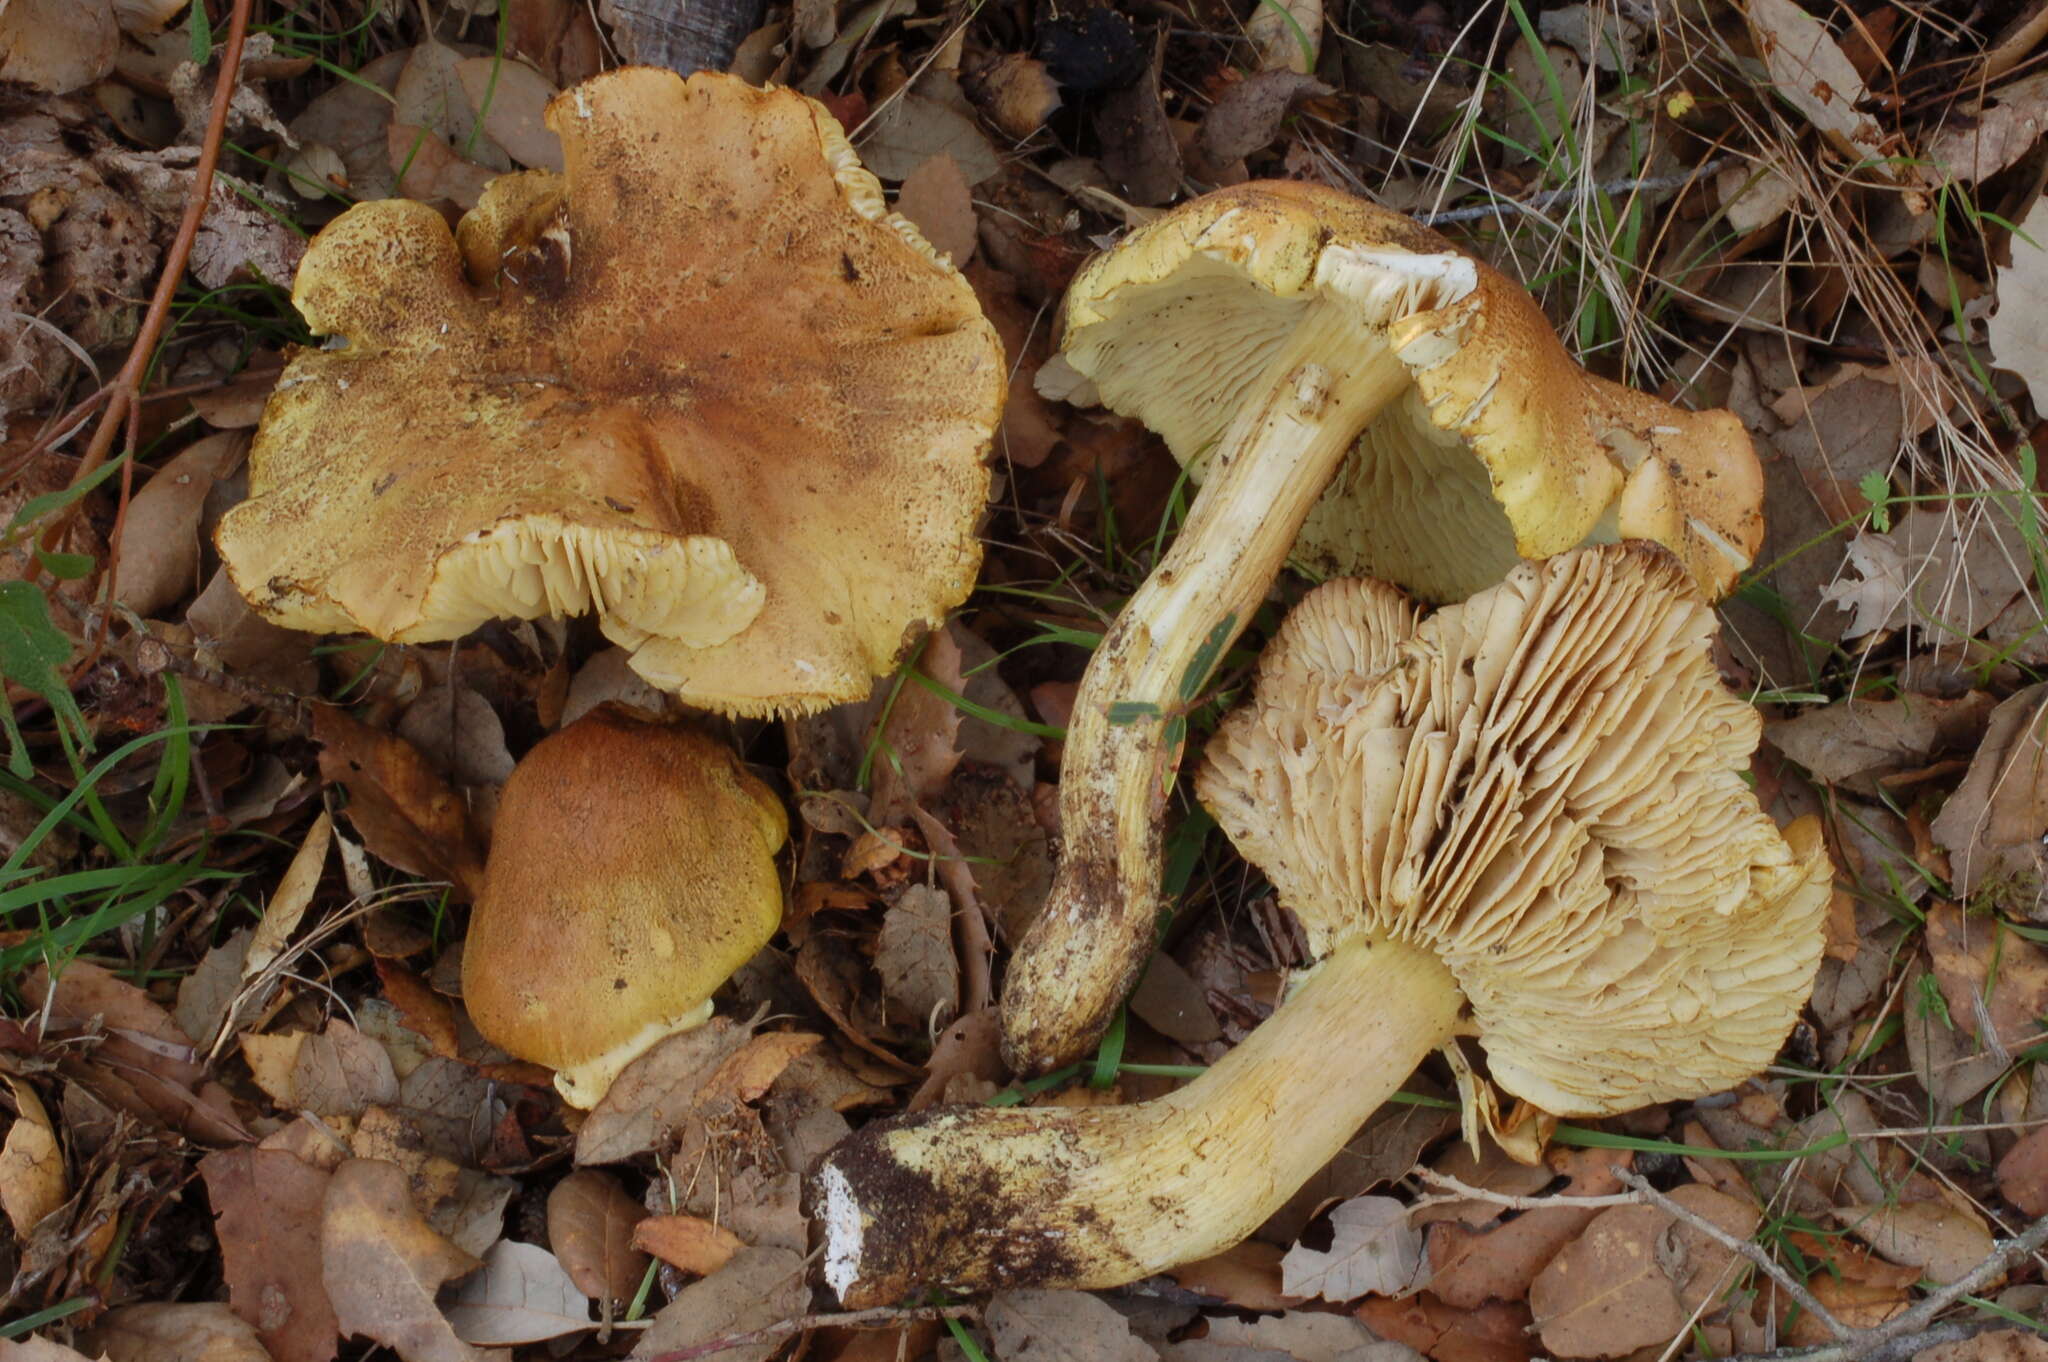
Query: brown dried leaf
x=2018, y=331
x=209, y=991
x=175, y=1333
x=591, y=1227
x=1246, y=1275
x=57, y=46
x=383, y=1264
x=32, y=1181
x=1169, y=1001
x=267, y=1208
x=759, y=1287
x=522, y=1295
x=1988, y=974
x=1248, y=116
x=937, y=200
x=696, y=1246
x=1944, y=1240
x=1495, y=1332
x=1854, y=741
x=919, y=741
x=456, y=729
x=407, y=814
x=2023, y=1172
x=507, y=97
x=656, y=1092
x=287, y=906
x=1952, y=570
x=272, y=1059
x=1815, y=77
x=1061, y=1326
x=916, y=128
x=34, y=1349
x=342, y=1072
x=1636, y=1275
x=1373, y=1251
x=1994, y=825
x=426, y=1012
x=158, y=541
x=915, y=957
x=1473, y=1266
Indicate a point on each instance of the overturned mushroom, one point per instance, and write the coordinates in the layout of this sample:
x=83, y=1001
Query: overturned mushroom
x=1525, y=821
x=632, y=870
x=1286, y=339
x=703, y=383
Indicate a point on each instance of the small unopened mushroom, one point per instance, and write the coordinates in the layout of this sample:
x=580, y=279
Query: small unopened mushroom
x=632, y=870
x=1351, y=390
x=703, y=383
x=1525, y=821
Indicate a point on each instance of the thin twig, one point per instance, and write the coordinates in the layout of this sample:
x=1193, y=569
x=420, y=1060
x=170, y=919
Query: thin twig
x=1764, y=1262
x=1465, y=1191
x=1549, y=198
x=804, y=1323
x=1890, y=1350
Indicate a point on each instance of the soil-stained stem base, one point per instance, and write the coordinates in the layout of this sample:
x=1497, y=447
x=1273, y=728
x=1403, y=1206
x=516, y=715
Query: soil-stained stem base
x=980, y=1198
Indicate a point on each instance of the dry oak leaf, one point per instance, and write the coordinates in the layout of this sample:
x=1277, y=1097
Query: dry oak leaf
x=383, y=1264
x=759, y=1287
x=1853, y=741
x=1992, y=133
x=685, y=1242
x=294, y=894
x=1061, y=1326
x=1815, y=77
x=1374, y=1252
x=937, y=200
x=2023, y=1173
x=207, y=1332
x=591, y=1224
x=342, y=1072
x=1471, y=1266
x=1943, y=1240
x=915, y=957
x=2018, y=331
x=1636, y=1276
x=32, y=1181
x=1496, y=1332
x=1995, y=823
x=1989, y=973
x=522, y=1295
x=407, y=814
x=1245, y=1275
x=267, y=1209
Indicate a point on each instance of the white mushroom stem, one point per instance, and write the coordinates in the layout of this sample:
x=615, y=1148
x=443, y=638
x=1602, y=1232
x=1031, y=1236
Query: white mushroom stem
x=975, y=1199
x=1083, y=954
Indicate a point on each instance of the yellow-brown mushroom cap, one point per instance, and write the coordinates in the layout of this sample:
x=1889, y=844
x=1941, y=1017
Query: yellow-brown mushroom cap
x=702, y=383
x=1543, y=785
x=632, y=870
x=1503, y=447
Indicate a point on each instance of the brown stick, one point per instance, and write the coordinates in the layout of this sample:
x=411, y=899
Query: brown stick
x=804, y=1323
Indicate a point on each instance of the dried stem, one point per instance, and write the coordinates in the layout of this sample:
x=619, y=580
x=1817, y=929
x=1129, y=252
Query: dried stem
x=804, y=1323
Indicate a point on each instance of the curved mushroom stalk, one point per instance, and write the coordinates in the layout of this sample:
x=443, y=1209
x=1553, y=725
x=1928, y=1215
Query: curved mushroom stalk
x=974, y=1199
x=1336, y=372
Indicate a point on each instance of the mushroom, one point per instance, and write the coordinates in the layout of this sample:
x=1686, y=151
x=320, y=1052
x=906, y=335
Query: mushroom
x=1526, y=821
x=632, y=870
x=1286, y=339
x=703, y=383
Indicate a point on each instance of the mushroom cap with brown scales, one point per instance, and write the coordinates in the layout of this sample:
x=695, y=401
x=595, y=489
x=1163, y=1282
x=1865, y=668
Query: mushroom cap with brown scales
x=702, y=383
x=1522, y=818
x=632, y=871
x=1501, y=447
